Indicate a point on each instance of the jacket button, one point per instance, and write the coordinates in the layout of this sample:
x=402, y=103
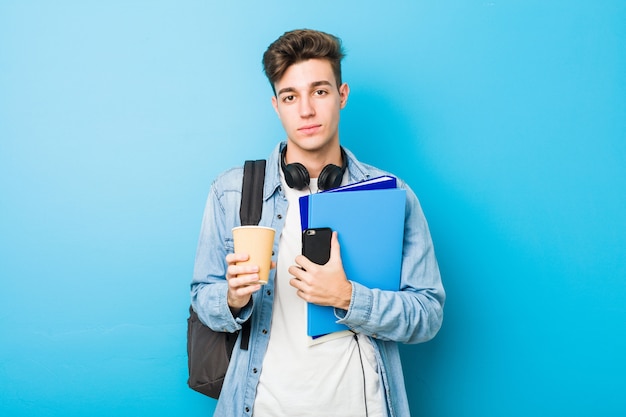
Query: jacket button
x=264, y=331
x=280, y=216
x=255, y=370
x=247, y=409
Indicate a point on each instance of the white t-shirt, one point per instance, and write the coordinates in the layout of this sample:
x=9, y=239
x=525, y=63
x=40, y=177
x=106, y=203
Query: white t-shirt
x=331, y=379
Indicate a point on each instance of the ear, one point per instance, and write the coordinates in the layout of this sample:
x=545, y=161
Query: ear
x=275, y=105
x=344, y=92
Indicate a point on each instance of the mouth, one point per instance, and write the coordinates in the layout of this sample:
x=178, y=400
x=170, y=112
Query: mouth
x=309, y=129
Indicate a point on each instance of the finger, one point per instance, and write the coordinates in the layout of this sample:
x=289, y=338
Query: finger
x=243, y=280
x=304, y=262
x=335, y=248
x=232, y=258
x=245, y=290
x=237, y=270
x=296, y=283
x=297, y=272
x=301, y=290
x=239, y=297
x=301, y=287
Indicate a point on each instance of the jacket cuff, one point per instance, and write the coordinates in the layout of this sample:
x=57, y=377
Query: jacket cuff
x=218, y=313
x=245, y=312
x=360, y=309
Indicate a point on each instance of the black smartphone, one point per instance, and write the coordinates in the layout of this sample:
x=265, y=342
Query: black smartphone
x=316, y=244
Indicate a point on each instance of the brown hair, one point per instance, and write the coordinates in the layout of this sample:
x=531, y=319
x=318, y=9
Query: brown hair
x=300, y=45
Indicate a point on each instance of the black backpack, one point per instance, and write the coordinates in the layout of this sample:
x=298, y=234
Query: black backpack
x=209, y=352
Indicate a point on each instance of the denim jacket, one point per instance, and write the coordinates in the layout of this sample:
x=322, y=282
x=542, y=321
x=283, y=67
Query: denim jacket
x=412, y=315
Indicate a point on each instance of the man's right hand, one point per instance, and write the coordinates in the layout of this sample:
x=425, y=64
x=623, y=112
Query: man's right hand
x=242, y=281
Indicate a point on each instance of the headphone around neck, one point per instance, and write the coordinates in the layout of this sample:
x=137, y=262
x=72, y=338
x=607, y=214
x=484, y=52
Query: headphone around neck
x=297, y=176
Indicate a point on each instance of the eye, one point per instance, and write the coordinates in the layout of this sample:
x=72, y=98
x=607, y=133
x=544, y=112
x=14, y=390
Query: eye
x=288, y=99
x=320, y=92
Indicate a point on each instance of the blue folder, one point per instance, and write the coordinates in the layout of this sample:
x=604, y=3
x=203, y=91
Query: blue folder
x=370, y=226
x=378, y=183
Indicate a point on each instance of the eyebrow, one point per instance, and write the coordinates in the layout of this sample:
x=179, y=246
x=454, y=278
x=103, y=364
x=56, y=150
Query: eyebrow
x=312, y=85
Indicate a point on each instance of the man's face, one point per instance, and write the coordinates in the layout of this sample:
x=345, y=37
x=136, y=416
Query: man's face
x=308, y=103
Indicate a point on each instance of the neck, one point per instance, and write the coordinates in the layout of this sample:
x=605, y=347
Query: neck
x=314, y=160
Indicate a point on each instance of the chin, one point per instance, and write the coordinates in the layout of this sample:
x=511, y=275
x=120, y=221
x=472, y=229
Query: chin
x=312, y=144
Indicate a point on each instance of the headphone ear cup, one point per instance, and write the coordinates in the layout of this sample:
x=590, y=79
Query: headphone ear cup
x=330, y=177
x=296, y=175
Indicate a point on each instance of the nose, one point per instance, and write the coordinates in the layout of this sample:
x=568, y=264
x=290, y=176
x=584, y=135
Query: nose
x=306, y=107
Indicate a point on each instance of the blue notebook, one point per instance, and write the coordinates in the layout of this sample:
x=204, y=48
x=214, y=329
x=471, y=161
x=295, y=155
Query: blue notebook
x=370, y=227
x=377, y=183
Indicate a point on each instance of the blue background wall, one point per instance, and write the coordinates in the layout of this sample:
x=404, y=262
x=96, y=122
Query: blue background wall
x=508, y=118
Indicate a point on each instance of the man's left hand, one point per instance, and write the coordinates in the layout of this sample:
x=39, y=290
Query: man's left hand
x=325, y=285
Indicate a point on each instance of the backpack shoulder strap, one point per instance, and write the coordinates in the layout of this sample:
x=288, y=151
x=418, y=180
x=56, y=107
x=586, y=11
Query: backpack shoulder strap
x=250, y=212
x=252, y=192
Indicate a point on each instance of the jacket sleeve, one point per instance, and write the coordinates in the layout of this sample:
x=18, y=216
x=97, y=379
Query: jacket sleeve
x=209, y=286
x=414, y=313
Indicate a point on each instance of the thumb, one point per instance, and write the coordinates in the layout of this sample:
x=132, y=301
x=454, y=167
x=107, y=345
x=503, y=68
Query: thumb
x=335, y=247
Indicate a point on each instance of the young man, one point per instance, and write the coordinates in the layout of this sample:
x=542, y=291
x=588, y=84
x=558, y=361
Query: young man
x=282, y=374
